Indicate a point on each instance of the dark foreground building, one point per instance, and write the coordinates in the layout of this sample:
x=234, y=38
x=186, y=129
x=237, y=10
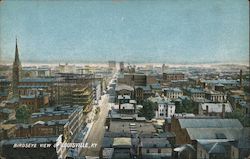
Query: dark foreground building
x=29, y=148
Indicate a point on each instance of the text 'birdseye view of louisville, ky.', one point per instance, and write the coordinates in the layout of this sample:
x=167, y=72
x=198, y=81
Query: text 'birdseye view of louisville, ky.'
x=124, y=79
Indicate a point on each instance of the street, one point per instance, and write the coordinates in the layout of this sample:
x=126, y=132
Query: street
x=97, y=132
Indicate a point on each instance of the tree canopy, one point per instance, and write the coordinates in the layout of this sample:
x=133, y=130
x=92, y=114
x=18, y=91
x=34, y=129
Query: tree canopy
x=148, y=110
x=23, y=113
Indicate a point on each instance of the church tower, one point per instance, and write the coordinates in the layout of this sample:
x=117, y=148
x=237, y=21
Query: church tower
x=16, y=72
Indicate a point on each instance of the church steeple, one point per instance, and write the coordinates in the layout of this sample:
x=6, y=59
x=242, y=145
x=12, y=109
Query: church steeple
x=17, y=61
x=16, y=72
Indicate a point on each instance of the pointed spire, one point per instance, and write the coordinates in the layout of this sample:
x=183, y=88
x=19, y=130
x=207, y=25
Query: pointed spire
x=16, y=53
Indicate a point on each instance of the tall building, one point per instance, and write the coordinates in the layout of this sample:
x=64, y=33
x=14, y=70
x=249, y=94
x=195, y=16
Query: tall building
x=16, y=72
x=122, y=66
x=112, y=64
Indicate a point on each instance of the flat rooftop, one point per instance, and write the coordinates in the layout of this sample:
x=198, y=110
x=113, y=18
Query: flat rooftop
x=132, y=127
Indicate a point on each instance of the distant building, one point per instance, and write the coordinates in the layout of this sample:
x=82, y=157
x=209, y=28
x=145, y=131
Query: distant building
x=228, y=84
x=74, y=89
x=112, y=64
x=168, y=77
x=133, y=79
x=152, y=79
x=122, y=66
x=122, y=89
x=195, y=93
x=142, y=93
x=215, y=96
x=164, y=68
x=172, y=93
x=34, y=72
x=31, y=90
x=156, y=88
x=66, y=68
x=215, y=109
x=35, y=101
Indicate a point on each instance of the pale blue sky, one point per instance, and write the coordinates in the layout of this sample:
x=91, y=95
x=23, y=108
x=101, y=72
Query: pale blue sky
x=159, y=31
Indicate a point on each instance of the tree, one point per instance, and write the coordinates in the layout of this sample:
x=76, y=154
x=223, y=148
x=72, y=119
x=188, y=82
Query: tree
x=187, y=106
x=238, y=114
x=148, y=109
x=23, y=113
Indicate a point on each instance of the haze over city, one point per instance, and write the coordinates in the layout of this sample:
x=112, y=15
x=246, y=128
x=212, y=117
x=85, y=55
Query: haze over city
x=131, y=31
x=124, y=79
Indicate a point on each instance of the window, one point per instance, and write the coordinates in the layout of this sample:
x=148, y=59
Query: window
x=159, y=150
x=147, y=150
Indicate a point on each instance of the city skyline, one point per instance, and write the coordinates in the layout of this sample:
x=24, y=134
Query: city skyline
x=130, y=31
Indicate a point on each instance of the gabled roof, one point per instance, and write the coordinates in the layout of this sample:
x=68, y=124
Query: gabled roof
x=214, y=133
x=216, y=107
x=210, y=123
x=217, y=148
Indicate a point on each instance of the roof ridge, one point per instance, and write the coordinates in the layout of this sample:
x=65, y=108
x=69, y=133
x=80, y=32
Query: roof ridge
x=213, y=147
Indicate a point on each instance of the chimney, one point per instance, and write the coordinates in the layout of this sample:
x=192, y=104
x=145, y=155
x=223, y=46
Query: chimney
x=240, y=79
x=223, y=110
x=207, y=110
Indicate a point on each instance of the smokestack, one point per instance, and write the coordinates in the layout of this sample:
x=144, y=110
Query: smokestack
x=240, y=79
x=207, y=110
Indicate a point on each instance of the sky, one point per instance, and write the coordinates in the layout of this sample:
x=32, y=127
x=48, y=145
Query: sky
x=146, y=31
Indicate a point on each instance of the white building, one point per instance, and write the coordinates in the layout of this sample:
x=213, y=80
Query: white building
x=215, y=96
x=165, y=108
x=214, y=108
x=172, y=93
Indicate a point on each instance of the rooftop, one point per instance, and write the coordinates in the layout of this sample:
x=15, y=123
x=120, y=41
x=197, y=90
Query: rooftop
x=25, y=86
x=120, y=87
x=6, y=110
x=122, y=141
x=210, y=123
x=154, y=142
x=145, y=88
x=160, y=100
x=195, y=90
x=38, y=80
x=7, y=126
x=132, y=127
x=172, y=89
x=220, y=81
x=214, y=133
x=216, y=107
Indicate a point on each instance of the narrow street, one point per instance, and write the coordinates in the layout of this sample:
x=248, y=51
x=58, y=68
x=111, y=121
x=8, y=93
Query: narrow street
x=97, y=132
